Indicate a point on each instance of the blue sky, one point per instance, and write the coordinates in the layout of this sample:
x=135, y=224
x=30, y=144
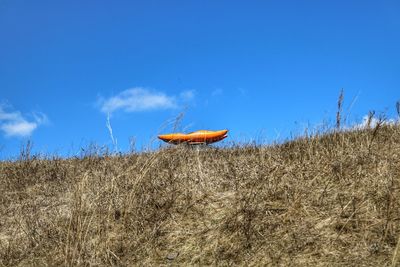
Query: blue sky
x=262, y=69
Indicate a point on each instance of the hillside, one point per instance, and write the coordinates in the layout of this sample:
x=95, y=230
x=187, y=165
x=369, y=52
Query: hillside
x=329, y=199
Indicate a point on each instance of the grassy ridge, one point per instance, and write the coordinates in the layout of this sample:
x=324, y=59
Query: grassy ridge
x=329, y=199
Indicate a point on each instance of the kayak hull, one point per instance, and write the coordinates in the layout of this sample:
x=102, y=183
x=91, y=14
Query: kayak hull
x=198, y=137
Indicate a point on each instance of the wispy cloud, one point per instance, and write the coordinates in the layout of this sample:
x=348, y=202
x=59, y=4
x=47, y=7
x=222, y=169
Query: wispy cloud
x=13, y=123
x=242, y=91
x=141, y=99
x=217, y=92
x=188, y=95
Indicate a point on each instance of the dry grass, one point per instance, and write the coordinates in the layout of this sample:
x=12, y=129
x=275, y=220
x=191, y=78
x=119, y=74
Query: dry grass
x=329, y=199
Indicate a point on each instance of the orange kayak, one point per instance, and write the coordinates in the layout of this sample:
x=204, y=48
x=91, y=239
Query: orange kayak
x=194, y=138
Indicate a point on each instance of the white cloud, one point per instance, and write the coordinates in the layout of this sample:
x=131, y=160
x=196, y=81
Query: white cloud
x=137, y=99
x=13, y=123
x=373, y=122
x=19, y=128
x=8, y=116
x=141, y=99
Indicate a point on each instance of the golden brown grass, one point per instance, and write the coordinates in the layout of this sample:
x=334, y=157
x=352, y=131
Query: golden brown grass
x=329, y=199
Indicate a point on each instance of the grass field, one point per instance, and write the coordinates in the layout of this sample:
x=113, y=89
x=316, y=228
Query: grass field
x=329, y=199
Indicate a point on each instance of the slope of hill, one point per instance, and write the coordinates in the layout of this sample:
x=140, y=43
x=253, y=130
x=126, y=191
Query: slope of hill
x=331, y=199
